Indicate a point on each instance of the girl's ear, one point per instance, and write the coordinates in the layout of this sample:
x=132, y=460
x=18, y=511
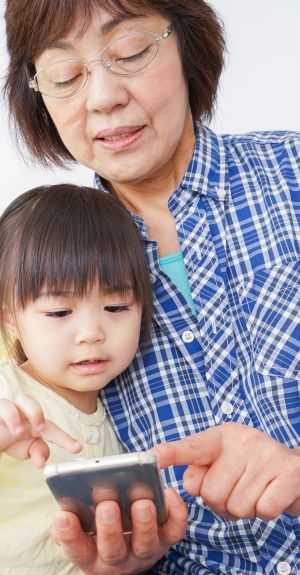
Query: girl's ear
x=10, y=324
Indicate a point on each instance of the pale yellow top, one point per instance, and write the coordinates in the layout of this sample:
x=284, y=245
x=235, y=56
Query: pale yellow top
x=26, y=504
x=3, y=350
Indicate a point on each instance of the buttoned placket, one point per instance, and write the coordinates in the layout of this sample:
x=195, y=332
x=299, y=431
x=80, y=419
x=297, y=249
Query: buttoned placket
x=214, y=317
x=210, y=335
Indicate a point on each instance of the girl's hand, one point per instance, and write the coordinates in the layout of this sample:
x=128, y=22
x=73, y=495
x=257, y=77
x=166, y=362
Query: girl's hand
x=24, y=431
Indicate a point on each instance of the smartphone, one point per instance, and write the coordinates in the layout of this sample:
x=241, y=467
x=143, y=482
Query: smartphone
x=80, y=485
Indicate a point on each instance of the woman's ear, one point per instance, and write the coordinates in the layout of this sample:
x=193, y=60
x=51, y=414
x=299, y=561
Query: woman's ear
x=10, y=324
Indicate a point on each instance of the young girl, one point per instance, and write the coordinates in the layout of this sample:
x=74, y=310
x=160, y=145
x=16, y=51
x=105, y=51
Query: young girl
x=74, y=292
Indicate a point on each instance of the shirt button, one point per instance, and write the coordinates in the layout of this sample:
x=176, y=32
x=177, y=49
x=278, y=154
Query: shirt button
x=188, y=336
x=227, y=408
x=221, y=192
x=284, y=568
x=152, y=278
x=93, y=435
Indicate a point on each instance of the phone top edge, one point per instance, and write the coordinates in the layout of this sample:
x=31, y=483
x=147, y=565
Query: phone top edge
x=107, y=461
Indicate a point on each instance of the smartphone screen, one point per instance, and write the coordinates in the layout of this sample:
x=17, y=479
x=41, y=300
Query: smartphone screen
x=80, y=485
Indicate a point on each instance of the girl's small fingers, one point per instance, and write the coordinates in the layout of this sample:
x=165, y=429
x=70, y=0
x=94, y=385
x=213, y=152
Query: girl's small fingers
x=39, y=452
x=31, y=411
x=11, y=416
x=25, y=419
x=34, y=449
x=54, y=434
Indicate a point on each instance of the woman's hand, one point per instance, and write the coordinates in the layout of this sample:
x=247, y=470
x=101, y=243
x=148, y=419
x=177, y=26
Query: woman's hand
x=111, y=552
x=24, y=431
x=239, y=471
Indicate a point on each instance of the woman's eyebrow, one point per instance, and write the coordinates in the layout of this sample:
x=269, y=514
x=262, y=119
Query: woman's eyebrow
x=60, y=45
x=104, y=29
x=110, y=25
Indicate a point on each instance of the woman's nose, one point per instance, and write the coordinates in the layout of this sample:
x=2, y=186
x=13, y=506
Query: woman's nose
x=105, y=90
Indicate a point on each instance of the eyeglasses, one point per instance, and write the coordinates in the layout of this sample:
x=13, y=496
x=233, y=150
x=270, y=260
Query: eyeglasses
x=124, y=56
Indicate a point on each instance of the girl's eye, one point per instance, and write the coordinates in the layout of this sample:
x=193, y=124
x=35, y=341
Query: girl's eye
x=116, y=308
x=59, y=313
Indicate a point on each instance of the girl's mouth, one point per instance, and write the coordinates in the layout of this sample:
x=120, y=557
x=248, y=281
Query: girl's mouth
x=90, y=366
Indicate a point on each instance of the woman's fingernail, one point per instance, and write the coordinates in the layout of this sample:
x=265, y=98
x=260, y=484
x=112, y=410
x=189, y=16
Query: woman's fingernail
x=108, y=514
x=143, y=514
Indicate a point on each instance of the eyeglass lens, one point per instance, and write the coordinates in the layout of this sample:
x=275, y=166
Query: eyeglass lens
x=125, y=56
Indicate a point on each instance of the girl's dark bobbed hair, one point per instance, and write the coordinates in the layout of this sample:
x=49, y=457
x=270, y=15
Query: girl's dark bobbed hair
x=68, y=238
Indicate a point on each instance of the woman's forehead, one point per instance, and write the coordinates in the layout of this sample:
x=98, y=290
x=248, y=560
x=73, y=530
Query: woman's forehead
x=60, y=20
x=104, y=23
x=101, y=21
x=99, y=31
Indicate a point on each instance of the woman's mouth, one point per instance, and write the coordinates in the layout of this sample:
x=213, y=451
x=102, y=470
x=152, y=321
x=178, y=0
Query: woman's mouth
x=120, y=138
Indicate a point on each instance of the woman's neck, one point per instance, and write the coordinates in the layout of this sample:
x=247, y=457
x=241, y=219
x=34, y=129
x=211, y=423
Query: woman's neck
x=149, y=198
x=153, y=192
x=151, y=204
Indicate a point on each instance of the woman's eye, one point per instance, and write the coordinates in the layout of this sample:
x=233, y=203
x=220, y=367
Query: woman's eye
x=116, y=308
x=59, y=313
x=134, y=57
x=66, y=83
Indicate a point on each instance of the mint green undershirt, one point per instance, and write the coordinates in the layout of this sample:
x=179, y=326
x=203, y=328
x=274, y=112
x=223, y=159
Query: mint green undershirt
x=173, y=265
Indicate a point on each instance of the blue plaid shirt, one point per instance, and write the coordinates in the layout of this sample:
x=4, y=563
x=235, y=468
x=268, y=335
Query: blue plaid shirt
x=237, y=213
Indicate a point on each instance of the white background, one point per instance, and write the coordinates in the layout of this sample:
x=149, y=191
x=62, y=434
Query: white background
x=260, y=87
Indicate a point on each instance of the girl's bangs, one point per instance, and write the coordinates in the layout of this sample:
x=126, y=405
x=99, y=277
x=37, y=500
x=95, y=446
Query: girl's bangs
x=88, y=247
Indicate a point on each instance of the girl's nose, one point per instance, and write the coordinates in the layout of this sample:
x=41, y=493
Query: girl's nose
x=90, y=333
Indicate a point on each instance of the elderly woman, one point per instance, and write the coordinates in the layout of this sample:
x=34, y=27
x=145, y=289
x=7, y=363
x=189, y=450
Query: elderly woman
x=124, y=87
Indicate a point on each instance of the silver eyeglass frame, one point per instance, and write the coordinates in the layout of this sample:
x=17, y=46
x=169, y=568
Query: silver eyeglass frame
x=158, y=38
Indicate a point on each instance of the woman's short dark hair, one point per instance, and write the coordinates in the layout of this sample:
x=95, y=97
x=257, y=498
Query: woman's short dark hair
x=68, y=237
x=32, y=25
